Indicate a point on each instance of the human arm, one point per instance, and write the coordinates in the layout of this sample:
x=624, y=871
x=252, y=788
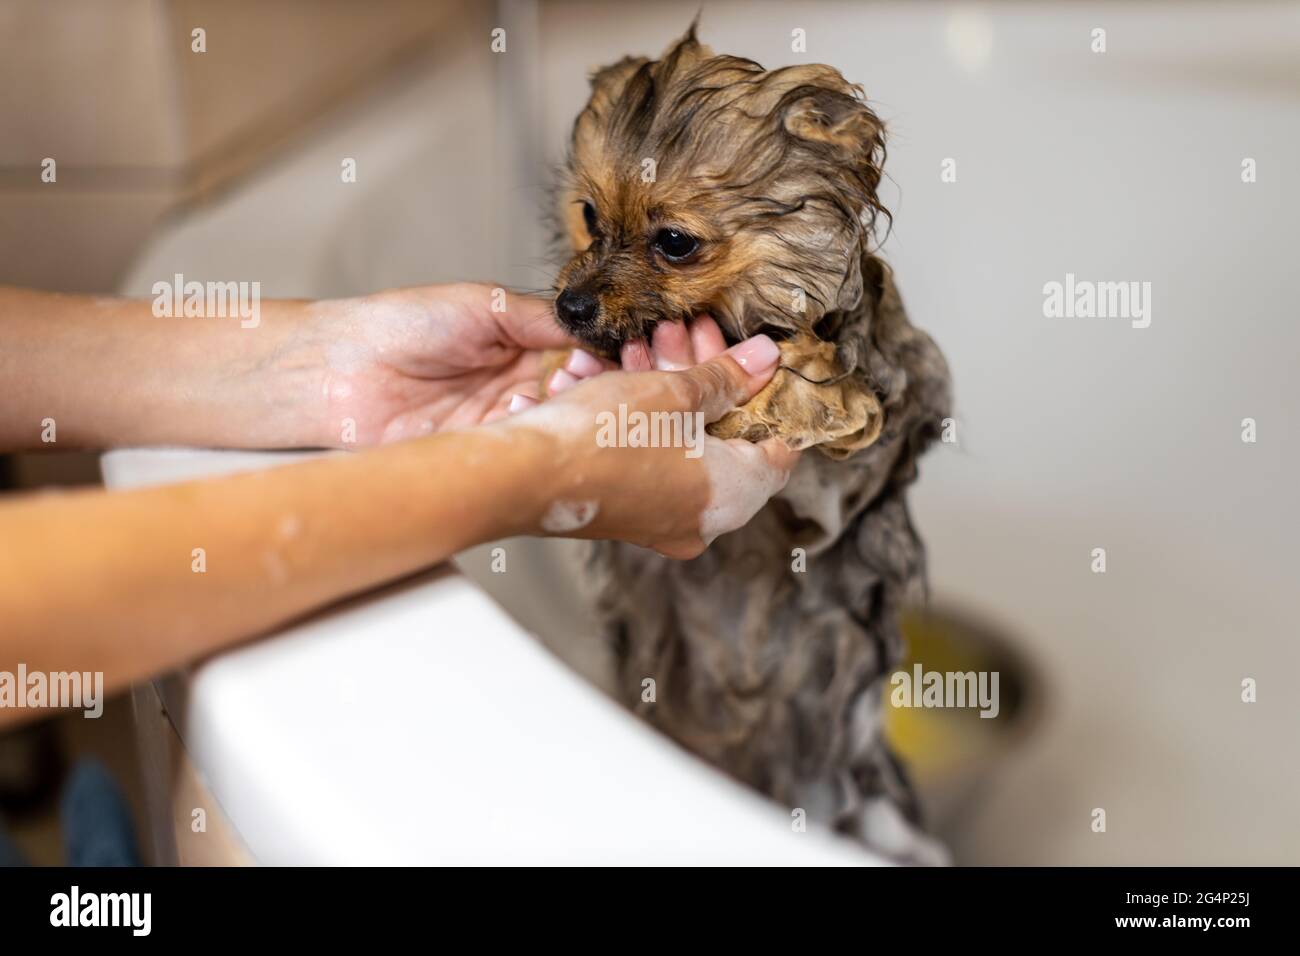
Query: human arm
x=98, y=372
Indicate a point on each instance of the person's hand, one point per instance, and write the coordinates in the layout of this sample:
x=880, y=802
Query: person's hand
x=673, y=346
x=414, y=361
x=608, y=484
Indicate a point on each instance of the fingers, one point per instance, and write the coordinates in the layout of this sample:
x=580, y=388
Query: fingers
x=671, y=347
x=674, y=346
x=578, y=366
x=518, y=402
x=561, y=381
x=757, y=355
x=734, y=377
x=741, y=481
x=706, y=338
x=779, y=455
x=527, y=321
x=584, y=364
x=635, y=356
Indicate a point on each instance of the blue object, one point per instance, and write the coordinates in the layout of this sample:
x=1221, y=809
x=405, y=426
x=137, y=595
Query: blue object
x=10, y=855
x=97, y=828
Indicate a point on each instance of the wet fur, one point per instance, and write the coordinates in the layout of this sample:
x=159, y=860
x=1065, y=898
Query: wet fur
x=772, y=674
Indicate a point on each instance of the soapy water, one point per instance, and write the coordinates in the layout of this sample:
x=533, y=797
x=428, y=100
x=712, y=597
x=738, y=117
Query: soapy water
x=741, y=480
x=564, y=516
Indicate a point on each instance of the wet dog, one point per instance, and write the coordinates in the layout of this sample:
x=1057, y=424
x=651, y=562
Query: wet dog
x=702, y=183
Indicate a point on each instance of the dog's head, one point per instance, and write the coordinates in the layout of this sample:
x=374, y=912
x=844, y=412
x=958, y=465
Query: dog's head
x=705, y=183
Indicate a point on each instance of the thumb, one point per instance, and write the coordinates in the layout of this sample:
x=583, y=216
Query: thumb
x=779, y=455
x=734, y=377
x=523, y=320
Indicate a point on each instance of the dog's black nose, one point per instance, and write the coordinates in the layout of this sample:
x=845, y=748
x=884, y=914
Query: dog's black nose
x=576, y=309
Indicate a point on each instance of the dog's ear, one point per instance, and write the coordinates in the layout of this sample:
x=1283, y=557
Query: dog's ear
x=837, y=125
x=682, y=54
x=838, y=122
x=608, y=82
x=595, y=123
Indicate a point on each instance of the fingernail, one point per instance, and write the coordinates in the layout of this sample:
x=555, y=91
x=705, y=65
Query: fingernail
x=519, y=402
x=635, y=356
x=756, y=354
x=560, y=381
x=583, y=364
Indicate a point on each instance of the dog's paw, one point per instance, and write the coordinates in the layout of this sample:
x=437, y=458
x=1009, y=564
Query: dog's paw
x=809, y=402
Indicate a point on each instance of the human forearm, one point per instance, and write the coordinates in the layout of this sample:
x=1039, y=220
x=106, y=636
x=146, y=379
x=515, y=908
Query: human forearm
x=91, y=372
x=115, y=582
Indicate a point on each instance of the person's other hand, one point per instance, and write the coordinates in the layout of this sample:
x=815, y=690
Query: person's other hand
x=604, y=484
x=409, y=362
x=673, y=346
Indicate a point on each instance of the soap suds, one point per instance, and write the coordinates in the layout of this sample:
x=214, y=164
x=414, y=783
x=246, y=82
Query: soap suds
x=348, y=357
x=277, y=571
x=564, y=516
x=556, y=418
x=740, y=483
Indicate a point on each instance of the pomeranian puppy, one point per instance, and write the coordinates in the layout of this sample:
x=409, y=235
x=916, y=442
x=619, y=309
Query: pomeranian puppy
x=702, y=183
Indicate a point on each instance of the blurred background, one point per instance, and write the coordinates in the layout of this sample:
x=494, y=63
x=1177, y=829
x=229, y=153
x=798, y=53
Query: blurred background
x=1072, y=434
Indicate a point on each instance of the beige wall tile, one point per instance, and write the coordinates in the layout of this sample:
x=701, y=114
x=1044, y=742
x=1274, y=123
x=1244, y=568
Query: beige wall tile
x=87, y=82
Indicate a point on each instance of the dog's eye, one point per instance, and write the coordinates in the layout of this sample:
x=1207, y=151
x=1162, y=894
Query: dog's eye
x=675, y=244
x=589, y=217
